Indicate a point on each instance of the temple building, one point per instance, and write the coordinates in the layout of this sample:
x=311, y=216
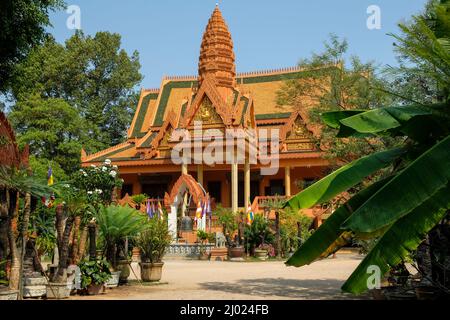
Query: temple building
x=221, y=99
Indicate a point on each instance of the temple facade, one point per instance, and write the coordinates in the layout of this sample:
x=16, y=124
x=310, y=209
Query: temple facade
x=202, y=109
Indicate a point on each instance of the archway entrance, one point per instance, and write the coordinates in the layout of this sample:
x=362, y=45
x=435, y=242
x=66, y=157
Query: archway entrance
x=185, y=184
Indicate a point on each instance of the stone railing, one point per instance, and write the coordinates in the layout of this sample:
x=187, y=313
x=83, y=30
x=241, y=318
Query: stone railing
x=186, y=250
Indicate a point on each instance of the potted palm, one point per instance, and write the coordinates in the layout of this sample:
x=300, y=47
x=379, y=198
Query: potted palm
x=228, y=219
x=94, y=275
x=257, y=236
x=139, y=199
x=153, y=242
x=116, y=224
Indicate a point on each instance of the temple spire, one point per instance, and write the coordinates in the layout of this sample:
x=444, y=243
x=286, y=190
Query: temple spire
x=216, y=54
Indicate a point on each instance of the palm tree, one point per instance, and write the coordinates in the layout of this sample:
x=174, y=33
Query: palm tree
x=412, y=197
x=116, y=223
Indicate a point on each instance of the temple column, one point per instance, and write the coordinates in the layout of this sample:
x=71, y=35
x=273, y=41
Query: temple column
x=287, y=181
x=184, y=170
x=234, y=186
x=247, y=183
x=200, y=174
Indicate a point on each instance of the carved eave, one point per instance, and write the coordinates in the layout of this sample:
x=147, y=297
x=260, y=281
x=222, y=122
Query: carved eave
x=208, y=88
x=169, y=124
x=296, y=134
x=9, y=152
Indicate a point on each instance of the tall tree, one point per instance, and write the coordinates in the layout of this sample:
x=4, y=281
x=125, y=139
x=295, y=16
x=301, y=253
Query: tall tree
x=53, y=130
x=93, y=74
x=331, y=81
x=22, y=25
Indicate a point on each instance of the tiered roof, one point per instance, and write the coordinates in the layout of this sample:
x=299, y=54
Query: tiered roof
x=246, y=100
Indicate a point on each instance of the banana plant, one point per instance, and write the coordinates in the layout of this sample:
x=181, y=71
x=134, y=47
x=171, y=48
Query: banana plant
x=408, y=201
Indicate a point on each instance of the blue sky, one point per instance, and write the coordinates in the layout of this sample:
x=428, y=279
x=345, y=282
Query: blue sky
x=266, y=34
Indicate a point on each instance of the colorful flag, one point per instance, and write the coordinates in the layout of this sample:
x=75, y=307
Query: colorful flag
x=208, y=208
x=153, y=209
x=160, y=211
x=250, y=215
x=149, y=209
x=198, y=213
x=50, y=176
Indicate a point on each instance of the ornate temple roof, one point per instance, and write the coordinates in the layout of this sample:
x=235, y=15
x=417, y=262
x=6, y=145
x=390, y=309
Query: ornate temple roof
x=216, y=53
x=232, y=100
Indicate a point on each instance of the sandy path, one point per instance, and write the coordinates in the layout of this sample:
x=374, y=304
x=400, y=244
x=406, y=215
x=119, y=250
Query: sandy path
x=203, y=280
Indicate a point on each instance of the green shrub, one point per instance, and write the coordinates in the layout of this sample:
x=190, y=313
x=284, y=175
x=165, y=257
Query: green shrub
x=94, y=272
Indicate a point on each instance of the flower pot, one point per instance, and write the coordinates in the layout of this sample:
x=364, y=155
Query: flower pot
x=114, y=280
x=124, y=267
x=203, y=256
x=57, y=290
x=136, y=255
x=261, y=254
x=151, y=271
x=8, y=294
x=95, y=289
x=237, y=252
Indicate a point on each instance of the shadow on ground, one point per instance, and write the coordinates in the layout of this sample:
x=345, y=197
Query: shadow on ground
x=313, y=289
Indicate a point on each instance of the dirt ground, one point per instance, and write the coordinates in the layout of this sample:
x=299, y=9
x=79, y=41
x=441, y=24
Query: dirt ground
x=205, y=280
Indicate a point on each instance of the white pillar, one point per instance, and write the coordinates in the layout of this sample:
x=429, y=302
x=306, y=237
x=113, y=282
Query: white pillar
x=287, y=181
x=234, y=187
x=247, y=183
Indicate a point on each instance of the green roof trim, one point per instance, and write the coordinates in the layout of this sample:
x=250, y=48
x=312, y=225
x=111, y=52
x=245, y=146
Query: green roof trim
x=236, y=94
x=141, y=115
x=269, y=116
x=108, y=155
x=274, y=77
x=159, y=118
x=183, y=109
x=244, y=109
x=149, y=140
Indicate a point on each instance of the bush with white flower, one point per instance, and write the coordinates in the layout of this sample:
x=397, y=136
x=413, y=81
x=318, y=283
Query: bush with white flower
x=98, y=181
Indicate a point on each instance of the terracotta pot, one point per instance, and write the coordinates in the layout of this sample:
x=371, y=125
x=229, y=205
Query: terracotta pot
x=9, y=294
x=58, y=290
x=151, y=271
x=261, y=254
x=114, y=280
x=237, y=252
x=203, y=256
x=95, y=289
x=136, y=254
x=124, y=267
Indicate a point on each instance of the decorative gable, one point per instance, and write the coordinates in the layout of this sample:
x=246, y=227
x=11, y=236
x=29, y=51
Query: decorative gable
x=295, y=136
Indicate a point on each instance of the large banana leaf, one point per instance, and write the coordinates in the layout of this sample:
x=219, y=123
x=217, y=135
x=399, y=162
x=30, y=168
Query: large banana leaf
x=333, y=118
x=343, y=179
x=399, y=240
x=415, y=184
x=329, y=236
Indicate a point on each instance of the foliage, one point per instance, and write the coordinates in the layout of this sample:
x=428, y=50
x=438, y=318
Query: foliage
x=94, y=272
x=154, y=240
x=22, y=182
x=227, y=218
x=3, y=278
x=92, y=74
x=258, y=233
x=98, y=182
x=204, y=236
x=23, y=25
x=401, y=209
x=289, y=230
x=115, y=224
x=139, y=198
x=329, y=82
x=40, y=166
x=43, y=222
x=52, y=128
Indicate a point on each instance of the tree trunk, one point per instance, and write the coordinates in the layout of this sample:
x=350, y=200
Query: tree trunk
x=59, y=225
x=61, y=275
x=277, y=235
x=82, y=246
x=14, y=276
x=24, y=239
x=75, y=242
x=92, y=243
x=424, y=261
